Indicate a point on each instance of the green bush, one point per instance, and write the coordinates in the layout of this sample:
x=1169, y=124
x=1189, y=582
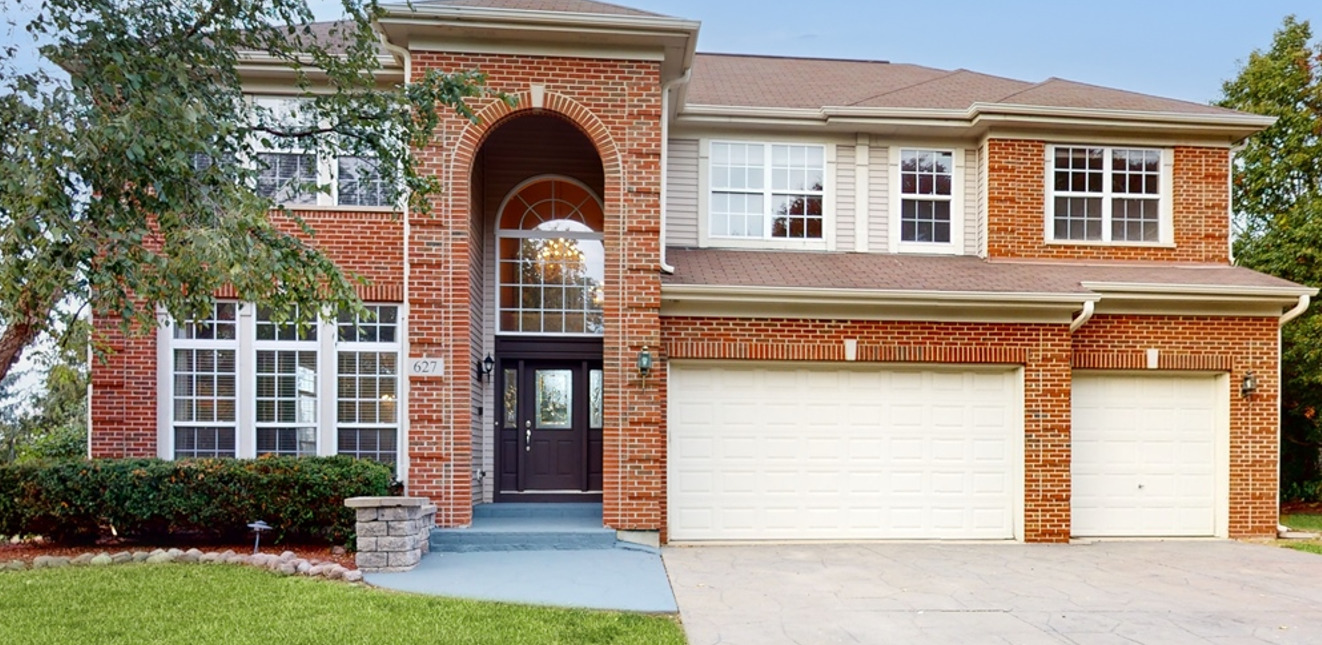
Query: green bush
x=301, y=498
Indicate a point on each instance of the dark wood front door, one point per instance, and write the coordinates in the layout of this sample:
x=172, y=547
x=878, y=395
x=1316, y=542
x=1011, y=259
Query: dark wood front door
x=550, y=429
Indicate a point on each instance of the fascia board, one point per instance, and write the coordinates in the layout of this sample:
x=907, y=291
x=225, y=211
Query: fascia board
x=722, y=293
x=1197, y=291
x=1254, y=121
x=495, y=16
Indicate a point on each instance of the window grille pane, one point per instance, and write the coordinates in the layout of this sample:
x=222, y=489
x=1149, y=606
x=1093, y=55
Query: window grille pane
x=203, y=442
x=359, y=183
x=287, y=178
x=378, y=444
x=926, y=184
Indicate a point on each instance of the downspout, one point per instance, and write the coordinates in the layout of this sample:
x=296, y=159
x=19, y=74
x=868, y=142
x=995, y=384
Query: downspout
x=1297, y=311
x=1088, y=308
x=406, y=59
x=665, y=158
x=1286, y=317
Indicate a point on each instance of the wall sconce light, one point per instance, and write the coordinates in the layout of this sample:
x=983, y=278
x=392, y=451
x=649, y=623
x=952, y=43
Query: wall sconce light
x=484, y=367
x=644, y=364
x=1249, y=385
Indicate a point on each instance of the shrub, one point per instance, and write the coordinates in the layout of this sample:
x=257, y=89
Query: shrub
x=301, y=498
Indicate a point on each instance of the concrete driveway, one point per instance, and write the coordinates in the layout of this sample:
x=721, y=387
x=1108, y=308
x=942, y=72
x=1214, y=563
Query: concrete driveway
x=1107, y=592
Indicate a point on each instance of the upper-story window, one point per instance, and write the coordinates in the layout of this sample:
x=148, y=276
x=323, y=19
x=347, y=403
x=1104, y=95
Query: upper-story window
x=287, y=177
x=763, y=191
x=926, y=193
x=1105, y=195
x=552, y=264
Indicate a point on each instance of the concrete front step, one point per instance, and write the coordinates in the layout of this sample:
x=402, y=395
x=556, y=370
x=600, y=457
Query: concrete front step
x=527, y=510
x=528, y=527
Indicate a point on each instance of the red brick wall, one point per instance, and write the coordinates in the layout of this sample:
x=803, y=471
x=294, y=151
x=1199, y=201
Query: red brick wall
x=1043, y=350
x=124, y=386
x=616, y=104
x=1016, y=208
x=1236, y=345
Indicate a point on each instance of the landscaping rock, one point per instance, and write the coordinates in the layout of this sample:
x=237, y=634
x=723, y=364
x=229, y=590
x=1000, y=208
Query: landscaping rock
x=49, y=562
x=353, y=575
x=318, y=569
x=16, y=565
x=83, y=559
x=157, y=552
x=227, y=554
x=336, y=572
x=175, y=552
x=189, y=556
x=338, y=551
x=121, y=557
x=303, y=567
x=286, y=568
x=101, y=560
x=209, y=558
x=140, y=556
x=287, y=556
x=160, y=558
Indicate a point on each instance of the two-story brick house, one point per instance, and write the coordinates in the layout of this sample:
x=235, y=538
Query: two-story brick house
x=749, y=297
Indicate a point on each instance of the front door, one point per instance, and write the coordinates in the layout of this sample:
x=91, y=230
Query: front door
x=550, y=438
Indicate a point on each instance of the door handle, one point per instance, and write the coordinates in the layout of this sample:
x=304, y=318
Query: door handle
x=527, y=436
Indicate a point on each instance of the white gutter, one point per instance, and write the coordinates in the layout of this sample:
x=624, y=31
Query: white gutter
x=1199, y=289
x=1088, y=309
x=665, y=158
x=405, y=316
x=739, y=293
x=1298, y=310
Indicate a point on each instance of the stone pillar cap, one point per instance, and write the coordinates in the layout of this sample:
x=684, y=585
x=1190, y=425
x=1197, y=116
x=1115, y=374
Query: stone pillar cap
x=385, y=502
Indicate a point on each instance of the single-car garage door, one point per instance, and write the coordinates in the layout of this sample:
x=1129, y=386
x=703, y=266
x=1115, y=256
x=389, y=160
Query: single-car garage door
x=781, y=452
x=1147, y=456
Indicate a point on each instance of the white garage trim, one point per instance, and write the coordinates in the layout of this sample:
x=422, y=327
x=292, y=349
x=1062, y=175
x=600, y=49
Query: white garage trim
x=937, y=454
x=1136, y=442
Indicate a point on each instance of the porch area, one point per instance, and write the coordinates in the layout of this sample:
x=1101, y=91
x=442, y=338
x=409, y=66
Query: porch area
x=539, y=554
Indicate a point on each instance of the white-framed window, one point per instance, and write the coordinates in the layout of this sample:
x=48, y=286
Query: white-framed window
x=927, y=199
x=204, y=397
x=241, y=384
x=367, y=390
x=286, y=383
x=287, y=176
x=1109, y=195
x=767, y=191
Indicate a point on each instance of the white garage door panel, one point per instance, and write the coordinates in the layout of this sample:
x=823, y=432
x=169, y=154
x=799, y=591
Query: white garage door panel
x=1145, y=454
x=779, y=452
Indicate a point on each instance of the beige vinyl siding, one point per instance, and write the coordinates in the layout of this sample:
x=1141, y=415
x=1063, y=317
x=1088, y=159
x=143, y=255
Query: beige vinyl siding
x=879, y=200
x=844, y=197
x=682, y=193
x=971, y=227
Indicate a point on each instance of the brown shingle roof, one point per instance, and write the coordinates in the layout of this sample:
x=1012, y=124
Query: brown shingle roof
x=769, y=81
x=873, y=271
x=558, y=6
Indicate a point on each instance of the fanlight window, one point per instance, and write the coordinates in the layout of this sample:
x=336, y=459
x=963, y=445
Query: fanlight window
x=552, y=260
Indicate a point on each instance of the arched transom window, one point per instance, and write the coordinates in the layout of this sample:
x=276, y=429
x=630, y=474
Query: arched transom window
x=552, y=259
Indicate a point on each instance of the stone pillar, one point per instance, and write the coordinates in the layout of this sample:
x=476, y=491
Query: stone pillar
x=393, y=532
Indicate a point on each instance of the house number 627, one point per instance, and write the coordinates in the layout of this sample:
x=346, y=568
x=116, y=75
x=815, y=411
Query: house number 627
x=426, y=367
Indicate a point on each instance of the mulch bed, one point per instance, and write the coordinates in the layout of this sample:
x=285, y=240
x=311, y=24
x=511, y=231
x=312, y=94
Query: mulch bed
x=1305, y=508
x=30, y=549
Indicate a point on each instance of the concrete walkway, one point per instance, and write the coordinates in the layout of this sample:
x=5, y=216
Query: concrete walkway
x=1164, y=593
x=625, y=579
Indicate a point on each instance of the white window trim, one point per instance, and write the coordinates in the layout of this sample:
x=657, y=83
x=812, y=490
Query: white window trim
x=328, y=169
x=827, y=241
x=956, y=244
x=1165, y=205
x=530, y=234
x=328, y=349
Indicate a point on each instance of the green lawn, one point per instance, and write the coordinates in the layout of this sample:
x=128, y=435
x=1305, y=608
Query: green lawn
x=201, y=604
x=1311, y=523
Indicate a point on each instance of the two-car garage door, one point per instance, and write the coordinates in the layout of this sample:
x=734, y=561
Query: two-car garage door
x=782, y=452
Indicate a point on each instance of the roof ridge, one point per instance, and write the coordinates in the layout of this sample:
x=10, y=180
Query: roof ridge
x=1030, y=87
x=947, y=74
x=1057, y=79
x=818, y=58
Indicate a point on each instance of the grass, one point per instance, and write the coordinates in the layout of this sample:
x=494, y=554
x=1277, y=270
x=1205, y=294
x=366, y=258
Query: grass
x=201, y=604
x=1303, y=522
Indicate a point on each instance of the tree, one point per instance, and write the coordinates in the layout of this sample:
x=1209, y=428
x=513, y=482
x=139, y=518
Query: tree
x=134, y=178
x=49, y=421
x=1278, y=204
